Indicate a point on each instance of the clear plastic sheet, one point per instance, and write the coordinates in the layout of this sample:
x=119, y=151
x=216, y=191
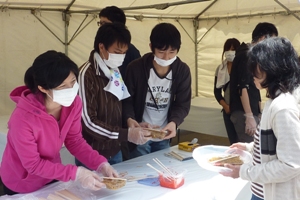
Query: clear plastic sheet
x=43, y=193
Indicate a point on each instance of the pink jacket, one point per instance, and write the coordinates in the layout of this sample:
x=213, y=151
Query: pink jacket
x=31, y=158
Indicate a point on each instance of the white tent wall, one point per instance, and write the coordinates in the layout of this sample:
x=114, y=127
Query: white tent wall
x=210, y=47
x=22, y=38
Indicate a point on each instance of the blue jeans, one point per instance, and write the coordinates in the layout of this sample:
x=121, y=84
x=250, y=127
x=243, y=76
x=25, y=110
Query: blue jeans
x=113, y=160
x=255, y=197
x=116, y=159
x=149, y=147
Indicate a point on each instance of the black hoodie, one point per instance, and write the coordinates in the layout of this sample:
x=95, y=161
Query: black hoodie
x=240, y=78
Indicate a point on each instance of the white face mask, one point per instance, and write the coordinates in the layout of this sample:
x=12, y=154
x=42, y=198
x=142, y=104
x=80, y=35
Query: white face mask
x=164, y=63
x=65, y=97
x=114, y=60
x=229, y=55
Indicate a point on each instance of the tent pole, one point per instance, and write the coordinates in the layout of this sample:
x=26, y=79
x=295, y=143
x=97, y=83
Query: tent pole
x=283, y=13
x=203, y=11
x=196, y=26
x=66, y=19
x=184, y=30
x=196, y=49
x=78, y=31
x=33, y=12
x=217, y=21
x=70, y=5
x=66, y=39
x=161, y=6
x=288, y=10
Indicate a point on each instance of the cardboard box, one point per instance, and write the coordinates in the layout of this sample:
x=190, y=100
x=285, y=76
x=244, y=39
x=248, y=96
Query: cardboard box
x=187, y=146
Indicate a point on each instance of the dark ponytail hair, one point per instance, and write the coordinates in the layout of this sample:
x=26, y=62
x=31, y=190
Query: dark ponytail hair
x=231, y=42
x=49, y=70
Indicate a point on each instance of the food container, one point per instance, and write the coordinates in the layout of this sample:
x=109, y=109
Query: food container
x=187, y=146
x=173, y=183
x=204, y=154
x=114, y=183
x=157, y=134
x=168, y=176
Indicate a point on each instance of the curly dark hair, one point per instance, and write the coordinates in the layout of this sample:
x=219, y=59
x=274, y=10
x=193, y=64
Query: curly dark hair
x=278, y=60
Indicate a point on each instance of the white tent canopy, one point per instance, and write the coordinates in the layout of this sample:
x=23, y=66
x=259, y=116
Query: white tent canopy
x=162, y=8
x=29, y=28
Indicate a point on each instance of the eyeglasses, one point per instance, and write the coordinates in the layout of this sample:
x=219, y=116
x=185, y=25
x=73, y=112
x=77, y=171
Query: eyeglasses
x=101, y=23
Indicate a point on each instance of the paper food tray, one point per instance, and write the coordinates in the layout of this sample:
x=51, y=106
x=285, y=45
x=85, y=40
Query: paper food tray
x=204, y=153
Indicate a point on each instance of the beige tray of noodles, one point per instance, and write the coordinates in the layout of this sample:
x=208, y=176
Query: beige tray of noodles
x=233, y=159
x=114, y=183
x=157, y=134
x=213, y=157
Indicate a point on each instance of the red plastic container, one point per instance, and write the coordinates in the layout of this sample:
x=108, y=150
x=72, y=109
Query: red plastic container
x=174, y=183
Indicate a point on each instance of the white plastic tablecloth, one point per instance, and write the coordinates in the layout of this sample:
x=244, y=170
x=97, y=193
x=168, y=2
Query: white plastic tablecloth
x=3, y=133
x=199, y=183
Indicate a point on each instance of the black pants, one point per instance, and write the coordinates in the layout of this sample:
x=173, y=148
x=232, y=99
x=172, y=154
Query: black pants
x=231, y=133
x=8, y=191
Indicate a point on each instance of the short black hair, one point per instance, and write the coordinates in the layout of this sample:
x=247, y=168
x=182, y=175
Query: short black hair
x=113, y=14
x=165, y=35
x=49, y=70
x=276, y=57
x=263, y=29
x=109, y=33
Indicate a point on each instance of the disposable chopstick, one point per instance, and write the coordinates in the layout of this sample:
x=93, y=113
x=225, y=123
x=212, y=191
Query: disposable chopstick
x=164, y=167
x=123, y=179
x=54, y=197
x=222, y=159
x=155, y=130
x=179, y=157
x=154, y=168
x=160, y=172
x=132, y=178
x=67, y=195
x=171, y=156
x=182, y=158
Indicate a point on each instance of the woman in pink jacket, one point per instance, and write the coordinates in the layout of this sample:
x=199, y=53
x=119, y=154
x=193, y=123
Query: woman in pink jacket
x=48, y=115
